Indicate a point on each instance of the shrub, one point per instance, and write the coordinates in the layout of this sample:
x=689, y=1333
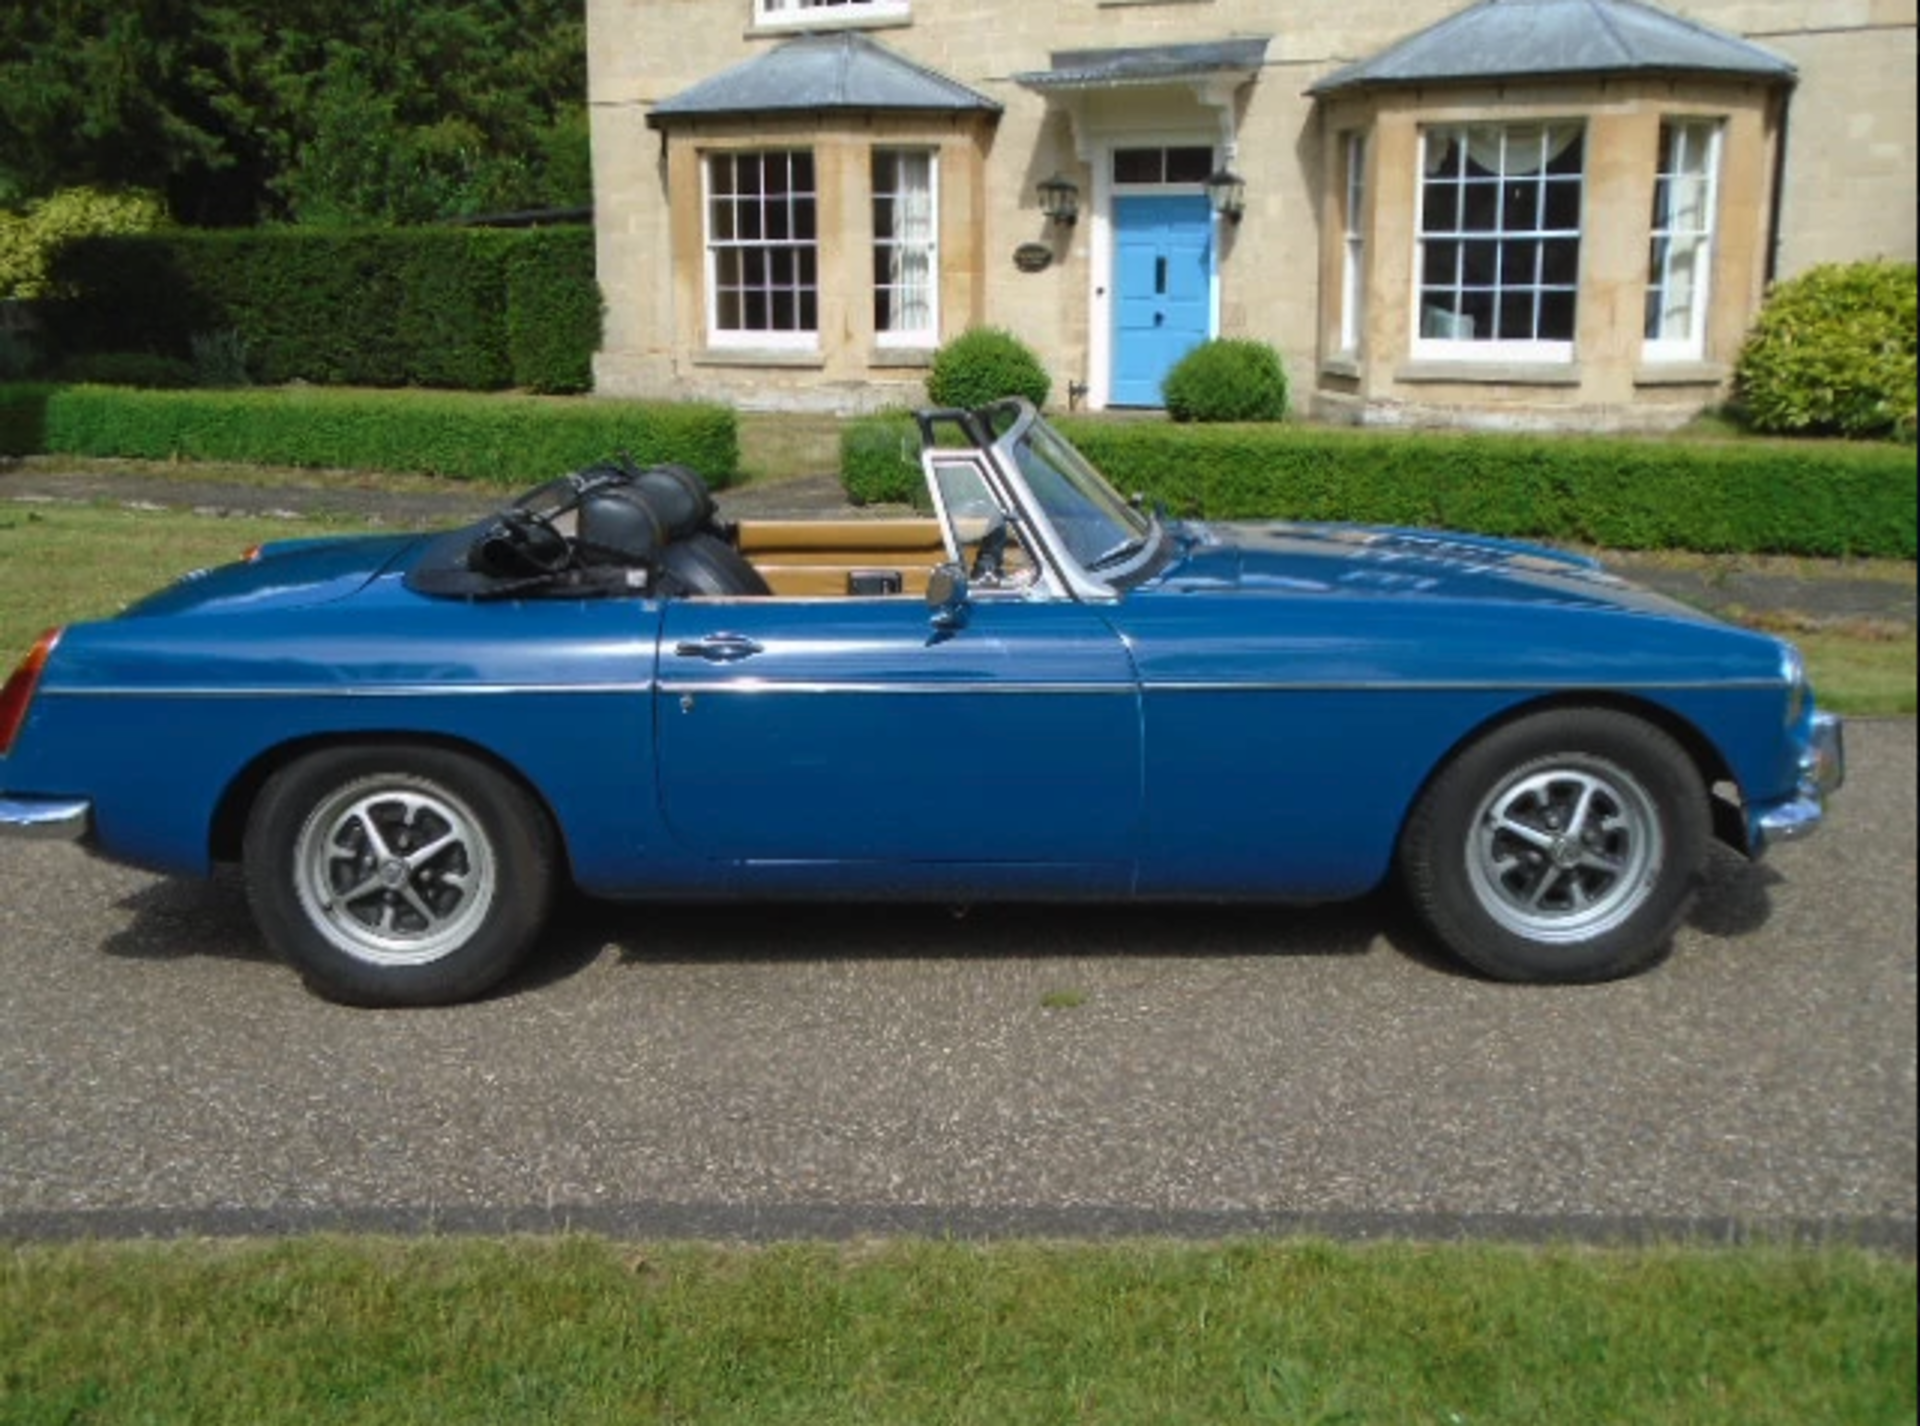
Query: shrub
x=30, y=241
x=1228, y=380
x=219, y=358
x=880, y=461
x=983, y=365
x=1832, y=353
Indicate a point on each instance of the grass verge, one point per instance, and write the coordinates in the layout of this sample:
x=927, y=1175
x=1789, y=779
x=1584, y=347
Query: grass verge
x=587, y=1331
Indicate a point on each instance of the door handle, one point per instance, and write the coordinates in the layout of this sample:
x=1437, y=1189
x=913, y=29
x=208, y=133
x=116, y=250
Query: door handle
x=718, y=648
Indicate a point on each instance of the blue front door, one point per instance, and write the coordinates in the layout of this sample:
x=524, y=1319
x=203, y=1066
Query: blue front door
x=1163, y=283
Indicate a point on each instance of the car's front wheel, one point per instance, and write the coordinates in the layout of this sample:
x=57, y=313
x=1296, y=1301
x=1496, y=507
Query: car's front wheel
x=1563, y=847
x=398, y=875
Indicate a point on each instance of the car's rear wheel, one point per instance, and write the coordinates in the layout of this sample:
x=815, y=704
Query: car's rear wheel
x=1563, y=847
x=398, y=875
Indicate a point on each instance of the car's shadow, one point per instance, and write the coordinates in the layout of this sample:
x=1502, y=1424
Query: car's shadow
x=175, y=919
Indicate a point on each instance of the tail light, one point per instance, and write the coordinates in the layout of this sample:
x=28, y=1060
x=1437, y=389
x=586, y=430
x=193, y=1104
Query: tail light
x=19, y=690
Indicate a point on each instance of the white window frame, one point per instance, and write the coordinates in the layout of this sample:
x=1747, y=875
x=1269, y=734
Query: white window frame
x=799, y=339
x=825, y=14
x=926, y=334
x=1458, y=349
x=1353, y=254
x=1690, y=134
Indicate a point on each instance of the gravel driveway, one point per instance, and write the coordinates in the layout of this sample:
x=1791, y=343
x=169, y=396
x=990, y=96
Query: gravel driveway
x=743, y=1072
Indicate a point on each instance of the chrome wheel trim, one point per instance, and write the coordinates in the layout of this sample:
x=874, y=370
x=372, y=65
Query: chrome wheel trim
x=395, y=871
x=1565, y=850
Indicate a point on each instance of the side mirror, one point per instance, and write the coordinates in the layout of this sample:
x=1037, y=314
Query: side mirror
x=948, y=598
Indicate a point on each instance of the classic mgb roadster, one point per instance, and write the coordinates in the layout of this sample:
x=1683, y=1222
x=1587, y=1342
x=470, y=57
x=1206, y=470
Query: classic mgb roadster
x=1041, y=692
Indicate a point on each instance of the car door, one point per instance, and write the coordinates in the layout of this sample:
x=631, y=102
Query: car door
x=852, y=731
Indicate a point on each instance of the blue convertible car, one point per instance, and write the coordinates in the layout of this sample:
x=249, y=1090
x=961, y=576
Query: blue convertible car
x=1041, y=692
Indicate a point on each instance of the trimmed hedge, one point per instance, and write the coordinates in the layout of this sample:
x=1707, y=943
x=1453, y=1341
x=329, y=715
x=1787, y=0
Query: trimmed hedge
x=455, y=308
x=554, y=309
x=500, y=439
x=1754, y=497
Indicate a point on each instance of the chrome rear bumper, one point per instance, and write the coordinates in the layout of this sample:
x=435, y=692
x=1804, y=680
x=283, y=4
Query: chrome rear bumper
x=49, y=819
x=1823, y=771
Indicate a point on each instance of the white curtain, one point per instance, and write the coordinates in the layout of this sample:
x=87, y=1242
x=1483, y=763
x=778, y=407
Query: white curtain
x=911, y=253
x=1509, y=150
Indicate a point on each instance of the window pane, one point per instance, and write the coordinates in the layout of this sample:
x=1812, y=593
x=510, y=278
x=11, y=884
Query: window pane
x=1189, y=165
x=1138, y=165
x=1440, y=207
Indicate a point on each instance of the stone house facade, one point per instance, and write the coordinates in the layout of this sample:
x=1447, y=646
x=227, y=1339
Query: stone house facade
x=1510, y=212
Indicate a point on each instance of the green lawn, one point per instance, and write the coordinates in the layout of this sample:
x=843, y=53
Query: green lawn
x=581, y=1330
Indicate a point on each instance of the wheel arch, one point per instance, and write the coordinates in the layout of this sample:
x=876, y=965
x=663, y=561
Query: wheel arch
x=228, y=828
x=1729, y=823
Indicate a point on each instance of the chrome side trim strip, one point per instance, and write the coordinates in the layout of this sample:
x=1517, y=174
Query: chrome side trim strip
x=379, y=690
x=900, y=690
x=765, y=685
x=671, y=684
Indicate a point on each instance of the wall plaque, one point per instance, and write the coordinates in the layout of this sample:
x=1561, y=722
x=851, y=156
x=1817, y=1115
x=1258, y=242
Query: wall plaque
x=1033, y=257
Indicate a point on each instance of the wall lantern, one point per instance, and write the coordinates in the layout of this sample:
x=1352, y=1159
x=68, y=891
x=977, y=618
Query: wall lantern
x=1227, y=191
x=1060, y=200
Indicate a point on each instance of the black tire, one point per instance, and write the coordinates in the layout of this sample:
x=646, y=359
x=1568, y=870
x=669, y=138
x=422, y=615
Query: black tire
x=396, y=875
x=1565, y=847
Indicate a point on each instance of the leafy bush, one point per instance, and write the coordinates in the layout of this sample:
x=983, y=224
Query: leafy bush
x=880, y=461
x=1832, y=353
x=510, y=440
x=986, y=364
x=1785, y=497
x=30, y=241
x=1228, y=380
x=219, y=358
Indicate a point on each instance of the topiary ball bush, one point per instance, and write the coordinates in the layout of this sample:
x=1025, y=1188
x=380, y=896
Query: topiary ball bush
x=1227, y=380
x=984, y=365
x=1832, y=354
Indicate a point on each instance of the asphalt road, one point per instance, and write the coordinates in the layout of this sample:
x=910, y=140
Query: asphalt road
x=735, y=1072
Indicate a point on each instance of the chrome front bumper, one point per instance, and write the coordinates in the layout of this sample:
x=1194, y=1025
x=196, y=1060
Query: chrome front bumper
x=47, y=819
x=1823, y=771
